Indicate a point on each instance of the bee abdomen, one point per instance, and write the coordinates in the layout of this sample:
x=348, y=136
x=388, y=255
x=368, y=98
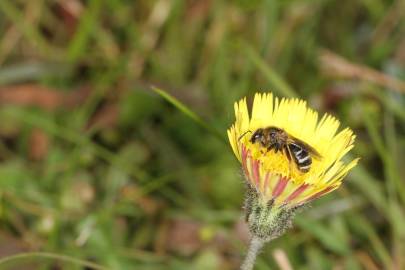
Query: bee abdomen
x=301, y=157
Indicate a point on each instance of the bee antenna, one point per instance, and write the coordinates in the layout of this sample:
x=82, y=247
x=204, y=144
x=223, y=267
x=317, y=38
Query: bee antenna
x=240, y=137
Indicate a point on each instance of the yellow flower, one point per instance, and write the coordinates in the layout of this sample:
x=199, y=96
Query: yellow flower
x=271, y=174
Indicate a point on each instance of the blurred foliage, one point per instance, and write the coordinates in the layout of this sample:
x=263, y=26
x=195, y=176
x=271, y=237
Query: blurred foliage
x=96, y=166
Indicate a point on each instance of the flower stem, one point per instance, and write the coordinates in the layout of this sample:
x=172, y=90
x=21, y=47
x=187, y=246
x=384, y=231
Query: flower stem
x=254, y=247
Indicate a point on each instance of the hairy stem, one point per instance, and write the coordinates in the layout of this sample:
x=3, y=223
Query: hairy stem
x=254, y=247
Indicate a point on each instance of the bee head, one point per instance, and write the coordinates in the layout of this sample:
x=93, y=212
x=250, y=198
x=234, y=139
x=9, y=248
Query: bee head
x=257, y=136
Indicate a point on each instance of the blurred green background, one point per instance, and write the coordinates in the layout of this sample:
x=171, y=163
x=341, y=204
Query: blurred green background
x=96, y=166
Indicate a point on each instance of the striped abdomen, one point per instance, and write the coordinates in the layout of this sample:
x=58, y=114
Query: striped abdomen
x=301, y=157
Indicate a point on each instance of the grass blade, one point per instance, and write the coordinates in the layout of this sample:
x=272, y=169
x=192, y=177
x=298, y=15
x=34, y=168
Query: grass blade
x=189, y=113
x=278, y=84
x=52, y=256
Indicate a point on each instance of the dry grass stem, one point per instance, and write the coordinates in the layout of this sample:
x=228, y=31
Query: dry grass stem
x=281, y=259
x=337, y=66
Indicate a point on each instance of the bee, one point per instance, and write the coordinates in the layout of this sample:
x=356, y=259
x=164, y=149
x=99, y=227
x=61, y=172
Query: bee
x=279, y=140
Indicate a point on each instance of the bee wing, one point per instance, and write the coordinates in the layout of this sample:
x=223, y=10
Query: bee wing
x=306, y=146
x=292, y=158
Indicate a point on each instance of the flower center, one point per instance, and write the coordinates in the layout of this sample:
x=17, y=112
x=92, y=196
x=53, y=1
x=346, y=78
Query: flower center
x=278, y=163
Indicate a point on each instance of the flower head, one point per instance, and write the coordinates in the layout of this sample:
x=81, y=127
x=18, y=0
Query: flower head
x=275, y=175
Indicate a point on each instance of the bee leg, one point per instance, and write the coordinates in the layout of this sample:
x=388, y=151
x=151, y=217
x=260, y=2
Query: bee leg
x=287, y=152
x=270, y=147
